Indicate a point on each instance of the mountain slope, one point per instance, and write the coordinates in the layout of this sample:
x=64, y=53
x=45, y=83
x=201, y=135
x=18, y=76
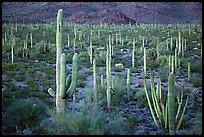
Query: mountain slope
x=110, y=12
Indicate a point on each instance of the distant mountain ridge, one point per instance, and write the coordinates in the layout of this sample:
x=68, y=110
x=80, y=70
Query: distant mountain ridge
x=109, y=12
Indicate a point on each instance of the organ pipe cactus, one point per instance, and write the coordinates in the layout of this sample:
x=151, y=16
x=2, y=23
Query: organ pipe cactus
x=165, y=112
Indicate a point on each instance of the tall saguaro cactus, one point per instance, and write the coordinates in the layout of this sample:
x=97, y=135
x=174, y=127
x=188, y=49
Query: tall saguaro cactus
x=108, y=77
x=95, y=84
x=144, y=71
x=59, y=44
x=189, y=71
x=64, y=88
x=128, y=83
x=133, y=54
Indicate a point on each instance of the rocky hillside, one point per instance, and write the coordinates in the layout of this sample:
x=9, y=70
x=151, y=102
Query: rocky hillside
x=109, y=12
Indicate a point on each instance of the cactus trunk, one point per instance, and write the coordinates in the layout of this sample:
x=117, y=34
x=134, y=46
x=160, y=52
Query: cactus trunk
x=59, y=44
x=95, y=84
x=128, y=83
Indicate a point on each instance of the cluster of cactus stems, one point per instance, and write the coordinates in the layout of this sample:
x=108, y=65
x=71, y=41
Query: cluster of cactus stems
x=65, y=87
x=165, y=110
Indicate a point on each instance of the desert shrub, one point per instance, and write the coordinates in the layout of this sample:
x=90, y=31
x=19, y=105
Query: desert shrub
x=196, y=126
x=21, y=113
x=81, y=83
x=196, y=66
x=140, y=95
x=196, y=80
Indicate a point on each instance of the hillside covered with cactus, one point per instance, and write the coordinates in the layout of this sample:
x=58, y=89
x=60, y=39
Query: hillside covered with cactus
x=106, y=12
x=68, y=78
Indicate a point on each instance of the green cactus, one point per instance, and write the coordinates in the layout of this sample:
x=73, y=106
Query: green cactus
x=12, y=47
x=165, y=112
x=68, y=85
x=175, y=64
x=172, y=67
x=108, y=76
x=64, y=87
x=189, y=71
x=102, y=81
x=90, y=51
x=133, y=54
x=128, y=83
x=171, y=105
x=144, y=62
x=95, y=84
x=31, y=40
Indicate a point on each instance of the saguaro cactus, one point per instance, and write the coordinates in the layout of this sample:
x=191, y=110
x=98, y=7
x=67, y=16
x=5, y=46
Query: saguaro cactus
x=189, y=71
x=95, y=84
x=144, y=62
x=171, y=104
x=133, y=54
x=128, y=83
x=68, y=85
x=63, y=90
x=108, y=76
x=90, y=51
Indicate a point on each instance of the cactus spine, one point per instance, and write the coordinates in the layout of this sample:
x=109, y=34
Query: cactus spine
x=171, y=104
x=95, y=84
x=128, y=83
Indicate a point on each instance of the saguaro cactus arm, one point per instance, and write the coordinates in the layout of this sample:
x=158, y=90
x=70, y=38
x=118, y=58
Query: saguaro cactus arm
x=72, y=87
